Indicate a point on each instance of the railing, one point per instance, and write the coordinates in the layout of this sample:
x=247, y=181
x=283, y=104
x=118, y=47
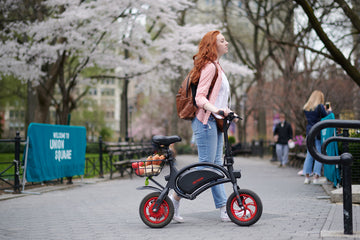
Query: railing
x=94, y=166
x=345, y=159
x=16, y=164
x=103, y=164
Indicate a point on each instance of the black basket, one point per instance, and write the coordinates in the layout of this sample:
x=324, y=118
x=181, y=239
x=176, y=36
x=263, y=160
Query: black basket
x=147, y=168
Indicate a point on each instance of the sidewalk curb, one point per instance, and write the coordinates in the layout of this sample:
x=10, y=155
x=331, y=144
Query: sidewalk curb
x=56, y=187
x=336, y=194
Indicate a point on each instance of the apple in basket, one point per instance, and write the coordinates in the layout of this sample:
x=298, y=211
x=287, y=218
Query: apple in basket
x=158, y=158
x=136, y=165
x=140, y=171
x=149, y=161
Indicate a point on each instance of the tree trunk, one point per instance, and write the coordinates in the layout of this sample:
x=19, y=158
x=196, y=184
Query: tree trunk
x=356, y=4
x=31, y=106
x=43, y=100
x=261, y=103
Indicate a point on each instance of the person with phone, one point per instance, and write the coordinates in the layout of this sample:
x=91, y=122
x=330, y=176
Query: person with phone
x=327, y=106
x=314, y=111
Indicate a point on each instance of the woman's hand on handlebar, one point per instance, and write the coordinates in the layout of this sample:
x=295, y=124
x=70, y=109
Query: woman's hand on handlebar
x=226, y=112
x=223, y=112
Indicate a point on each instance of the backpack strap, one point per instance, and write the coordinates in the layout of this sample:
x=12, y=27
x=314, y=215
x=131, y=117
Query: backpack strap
x=194, y=87
x=213, y=81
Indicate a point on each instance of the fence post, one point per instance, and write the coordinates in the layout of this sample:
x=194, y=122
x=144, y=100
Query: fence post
x=101, y=158
x=17, y=163
x=347, y=193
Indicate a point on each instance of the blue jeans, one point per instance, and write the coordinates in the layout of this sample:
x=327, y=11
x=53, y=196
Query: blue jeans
x=210, y=149
x=282, y=152
x=309, y=161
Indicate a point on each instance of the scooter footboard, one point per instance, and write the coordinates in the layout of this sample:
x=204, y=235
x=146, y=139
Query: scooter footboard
x=193, y=179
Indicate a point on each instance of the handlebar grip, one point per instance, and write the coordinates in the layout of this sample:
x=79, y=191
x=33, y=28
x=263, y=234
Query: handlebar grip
x=222, y=113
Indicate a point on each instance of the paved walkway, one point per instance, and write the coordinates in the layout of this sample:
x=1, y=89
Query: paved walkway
x=108, y=209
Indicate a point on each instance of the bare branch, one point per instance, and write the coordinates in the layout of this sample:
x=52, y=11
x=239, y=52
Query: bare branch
x=354, y=18
x=330, y=46
x=122, y=77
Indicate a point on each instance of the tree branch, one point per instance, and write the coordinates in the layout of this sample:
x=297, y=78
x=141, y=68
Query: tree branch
x=122, y=77
x=330, y=46
x=300, y=46
x=354, y=18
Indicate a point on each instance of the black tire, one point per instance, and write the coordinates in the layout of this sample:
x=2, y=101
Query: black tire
x=252, y=208
x=159, y=219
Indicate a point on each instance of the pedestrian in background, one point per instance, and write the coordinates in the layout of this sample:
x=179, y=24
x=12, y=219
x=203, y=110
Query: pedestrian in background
x=314, y=111
x=283, y=135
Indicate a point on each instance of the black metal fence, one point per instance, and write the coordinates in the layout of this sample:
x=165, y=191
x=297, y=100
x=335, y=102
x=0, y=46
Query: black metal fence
x=11, y=171
x=12, y=180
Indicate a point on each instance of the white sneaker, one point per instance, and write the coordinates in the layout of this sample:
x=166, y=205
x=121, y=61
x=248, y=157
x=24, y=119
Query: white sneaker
x=307, y=180
x=316, y=181
x=223, y=214
x=176, y=217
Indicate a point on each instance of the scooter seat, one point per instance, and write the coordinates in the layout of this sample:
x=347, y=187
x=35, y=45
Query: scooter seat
x=166, y=140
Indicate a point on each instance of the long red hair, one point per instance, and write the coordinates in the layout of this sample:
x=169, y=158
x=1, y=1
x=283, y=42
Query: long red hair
x=207, y=53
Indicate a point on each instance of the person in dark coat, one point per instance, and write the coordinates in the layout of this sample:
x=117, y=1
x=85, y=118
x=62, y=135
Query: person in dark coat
x=283, y=134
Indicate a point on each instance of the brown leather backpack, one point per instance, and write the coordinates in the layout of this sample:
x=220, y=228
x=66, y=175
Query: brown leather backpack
x=185, y=98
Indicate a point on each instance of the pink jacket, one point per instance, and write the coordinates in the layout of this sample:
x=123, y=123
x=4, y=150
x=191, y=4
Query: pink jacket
x=206, y=76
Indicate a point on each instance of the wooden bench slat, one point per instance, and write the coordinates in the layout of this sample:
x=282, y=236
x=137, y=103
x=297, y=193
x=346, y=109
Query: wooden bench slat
x=123, y=162
x=122, y=153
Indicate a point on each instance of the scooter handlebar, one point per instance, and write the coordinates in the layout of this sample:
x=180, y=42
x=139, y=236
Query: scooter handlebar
x=231, y=116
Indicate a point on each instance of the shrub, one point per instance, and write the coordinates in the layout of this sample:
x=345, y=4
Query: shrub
x=231, y=140
x=183, y=149
x=354, y=149
x=92, y=147
x=9, y=147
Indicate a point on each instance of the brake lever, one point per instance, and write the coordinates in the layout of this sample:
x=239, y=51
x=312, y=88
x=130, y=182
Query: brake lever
x=233, y=116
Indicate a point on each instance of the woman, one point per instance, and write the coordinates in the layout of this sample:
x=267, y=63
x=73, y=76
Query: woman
x=314, y=110
x=208, y=137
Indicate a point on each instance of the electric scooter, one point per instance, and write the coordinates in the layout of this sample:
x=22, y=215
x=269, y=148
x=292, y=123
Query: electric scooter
x=156, y=210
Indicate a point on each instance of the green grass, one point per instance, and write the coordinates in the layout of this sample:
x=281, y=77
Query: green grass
x=8, y=157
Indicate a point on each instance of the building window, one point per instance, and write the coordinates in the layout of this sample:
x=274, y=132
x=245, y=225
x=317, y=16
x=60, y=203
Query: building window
x=110, y=115
x=93, y=91
x=107, y=92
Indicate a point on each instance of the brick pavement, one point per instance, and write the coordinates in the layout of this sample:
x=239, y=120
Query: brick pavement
x=98, y=209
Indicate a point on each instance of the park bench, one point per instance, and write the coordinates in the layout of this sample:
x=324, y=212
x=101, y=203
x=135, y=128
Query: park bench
x=241, y=149
x=297, y=156
x=121, y=154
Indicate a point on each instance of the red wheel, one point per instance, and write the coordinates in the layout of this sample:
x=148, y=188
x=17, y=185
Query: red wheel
x=251, y=212
x=158, y=219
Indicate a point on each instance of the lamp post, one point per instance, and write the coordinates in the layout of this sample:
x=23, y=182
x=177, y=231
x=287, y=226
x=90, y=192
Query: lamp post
x=124, y=110
x=131, y=109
